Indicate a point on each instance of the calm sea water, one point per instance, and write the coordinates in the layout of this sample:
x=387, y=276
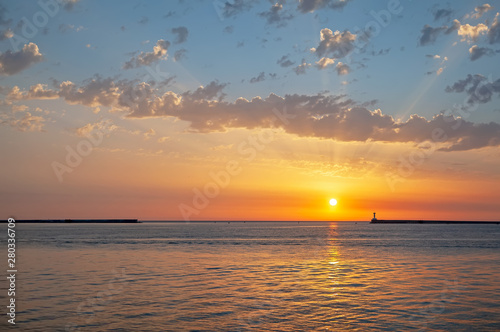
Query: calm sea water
x=256, y=277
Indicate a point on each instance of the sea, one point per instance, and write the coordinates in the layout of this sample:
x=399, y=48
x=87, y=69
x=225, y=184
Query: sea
x=255, y=276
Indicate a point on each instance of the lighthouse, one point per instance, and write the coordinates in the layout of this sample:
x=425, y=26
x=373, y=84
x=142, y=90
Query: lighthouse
x=374, y=218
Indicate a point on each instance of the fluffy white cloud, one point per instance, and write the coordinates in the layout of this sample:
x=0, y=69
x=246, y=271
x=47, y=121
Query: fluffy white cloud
x=324, y=62
x=470, y=32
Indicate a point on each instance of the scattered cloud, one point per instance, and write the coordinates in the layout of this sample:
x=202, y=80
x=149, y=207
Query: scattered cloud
x=477, y=52
x=477, y=87
x=180, y=54
x=63, y=28
x=301, y=69
x=276, y=16
x=261, y=77
x=470, y=32
x=494, y=31
x=442, y=13
x=229, y=29
x=338, y=44
x=324, y=62
x=342, y=69
x=28, y=122
x=181, y=34
x=430, y=34
x=13, y=62
x=284, y=61
x=6, y=34
x=145, y=59
x=309, y=6
x=479, y=11
x=230, y=8
x=143, y=20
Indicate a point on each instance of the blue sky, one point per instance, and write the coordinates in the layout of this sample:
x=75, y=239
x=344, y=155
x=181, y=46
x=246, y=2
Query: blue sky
x=396, y=78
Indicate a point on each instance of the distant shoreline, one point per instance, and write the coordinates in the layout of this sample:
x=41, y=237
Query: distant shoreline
x=431, y=222
x=77, y=221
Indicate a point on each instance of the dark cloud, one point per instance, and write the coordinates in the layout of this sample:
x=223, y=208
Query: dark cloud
x=477, y=52
x=338, y=44
x=68, y=4
x=285, y=62
x=229, y=8
x=143, y=20
x=342, y=69
x=309, y=6
x=321, y=115
x=301, y=69
x=276, y=16
x=13, y=62
x=477, y=87
x=442, y=13
x=147, y=58
x=228, y=29
x=180, y=54
x=259, y=78
x=494, y=31
x=430, y=34
x=182, y=34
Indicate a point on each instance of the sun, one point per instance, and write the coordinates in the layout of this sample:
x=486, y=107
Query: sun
x=333, y=202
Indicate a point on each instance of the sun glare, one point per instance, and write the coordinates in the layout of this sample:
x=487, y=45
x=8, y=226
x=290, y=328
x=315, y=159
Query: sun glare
x=333, y=202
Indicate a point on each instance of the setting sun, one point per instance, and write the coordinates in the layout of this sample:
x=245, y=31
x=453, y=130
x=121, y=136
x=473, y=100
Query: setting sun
x=333, y=202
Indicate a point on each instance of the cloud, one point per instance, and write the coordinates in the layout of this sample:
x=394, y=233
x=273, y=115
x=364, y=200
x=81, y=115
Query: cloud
x=442, y=13
x=439, y=71
x=103, y=126
x=229, y=29
x=285, y=62
x=63, y=28
x=321, y=115
x=309, y=6
x=180, y=54
x=229, y=8
x=301, y=69
x=145, y=59
x=6, y=34
x=276, y=16
x=342, y=68
x=477, y=52
x=477, y=87
x=470, y=32
x=480, y=10
x=182, y=34
x=27, y=123
x=430, y=34
x=14, y=62
x=338, y=44
x=69, y=4
x=259, y=78
x=494, y=31
x=143, y=20
x=324, y=62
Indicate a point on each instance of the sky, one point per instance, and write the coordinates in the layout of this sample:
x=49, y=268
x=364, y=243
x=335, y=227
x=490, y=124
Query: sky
x=250, y=110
